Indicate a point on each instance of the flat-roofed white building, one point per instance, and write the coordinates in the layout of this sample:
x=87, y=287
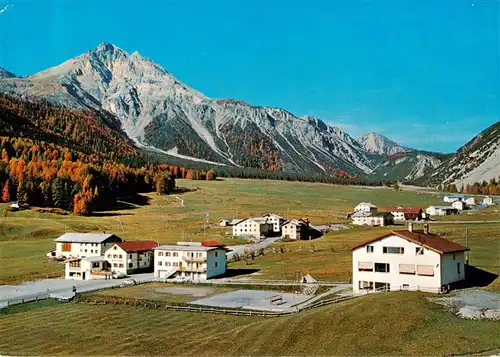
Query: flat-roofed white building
x=190, y=261
x=254, y=227
x=81, y=245
x=407, y=260
x=89, y=268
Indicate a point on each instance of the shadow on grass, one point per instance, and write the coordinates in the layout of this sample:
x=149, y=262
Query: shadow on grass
x=121, y=204
x=475, y=278
x=235, y=272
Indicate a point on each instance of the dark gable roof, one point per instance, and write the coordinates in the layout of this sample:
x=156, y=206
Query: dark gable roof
x=430, y=241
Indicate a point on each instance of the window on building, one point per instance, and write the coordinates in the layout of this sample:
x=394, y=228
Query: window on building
x=369, y=248
x=167, y=254
x=95, y=265
x=130, y=256
x=454, y=256
x=130, y=265
x=175, y=254
x=393, y=250
x=175, y=264
x=114, y=247
x=425, y=270
x=407, y=269
x=109, y=256
x=160, y=254
x=167, y=264
x=365, y=266
x=120, y=256
x=382, y=286
x=458, y=268
x=115, y=265
x=382, y=267
x=419, y=250
x=159, y=263
x=216, y=264
x=366, y=284
x=121, y=265
x=114, y=256
x=216, y=254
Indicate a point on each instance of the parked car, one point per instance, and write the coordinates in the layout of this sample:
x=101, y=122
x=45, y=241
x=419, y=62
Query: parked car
x=119, y=275
x=128, y=282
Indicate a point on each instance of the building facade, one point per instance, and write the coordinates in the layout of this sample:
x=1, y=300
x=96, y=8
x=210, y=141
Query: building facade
x=131, y=257
x=458, y=205
x=440, y=210
x=275, y=220
x=295, y=229
x=89, y=268
x=255, y=227
x=365, y=207
x=381, y=219
x=81, y=245
x=407, y=260
x=192, y=262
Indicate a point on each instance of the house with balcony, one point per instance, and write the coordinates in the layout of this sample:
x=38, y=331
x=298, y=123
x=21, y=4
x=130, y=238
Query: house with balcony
x=253, y=227
x=407, y=260
x=81, y=245
x=192, y=261
x=131, y=257
x=88, y=268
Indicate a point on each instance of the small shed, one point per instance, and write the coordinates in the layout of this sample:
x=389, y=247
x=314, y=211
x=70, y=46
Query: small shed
x=224, y=223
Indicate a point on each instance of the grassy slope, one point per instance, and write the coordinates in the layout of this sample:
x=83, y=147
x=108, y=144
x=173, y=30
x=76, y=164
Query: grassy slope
x=26, y=236
x=356, y=327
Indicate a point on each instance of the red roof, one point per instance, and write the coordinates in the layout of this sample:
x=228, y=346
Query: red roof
x=431, y=241
x=211, y=243
x=138, y=246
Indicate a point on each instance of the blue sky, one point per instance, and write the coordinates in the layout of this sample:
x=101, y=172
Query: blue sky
x=424, y=73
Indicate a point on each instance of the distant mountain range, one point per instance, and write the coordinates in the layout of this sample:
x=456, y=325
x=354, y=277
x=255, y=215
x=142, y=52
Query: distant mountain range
x=160, y=113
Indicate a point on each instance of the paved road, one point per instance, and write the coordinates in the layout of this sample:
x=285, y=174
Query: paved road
x=60, y=287
x=240, y=249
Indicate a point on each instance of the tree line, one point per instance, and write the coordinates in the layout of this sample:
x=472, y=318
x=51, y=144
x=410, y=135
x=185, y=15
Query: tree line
x=483, y=188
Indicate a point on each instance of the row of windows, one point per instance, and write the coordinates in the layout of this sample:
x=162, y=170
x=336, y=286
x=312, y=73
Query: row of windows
x=91, y=251
x=395, y=250
x=168, y=254
x=168, y=264
x=410, y=269
x=116, y=265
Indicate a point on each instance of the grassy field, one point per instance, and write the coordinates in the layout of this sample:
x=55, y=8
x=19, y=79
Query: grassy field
x=26, y=236
x=357, y=327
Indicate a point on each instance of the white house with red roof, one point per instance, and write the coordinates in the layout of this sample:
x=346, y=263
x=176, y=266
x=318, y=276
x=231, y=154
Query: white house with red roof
x=407, y=260
x=119, y=259
x=131, y=257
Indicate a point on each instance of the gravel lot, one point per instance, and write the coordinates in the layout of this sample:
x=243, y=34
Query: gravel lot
x=473, y=304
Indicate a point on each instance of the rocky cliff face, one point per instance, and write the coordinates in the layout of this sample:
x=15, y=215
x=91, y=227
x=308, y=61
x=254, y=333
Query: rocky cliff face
x=379, y=144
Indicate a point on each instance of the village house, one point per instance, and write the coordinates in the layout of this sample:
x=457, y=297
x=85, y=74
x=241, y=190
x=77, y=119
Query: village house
x=89, y=268
x=452, y=198
x=363, y=218
x=81, y=245
x=119, y=260
x=488, y=201
x=131, y=257
x=275, y=220
x=224, y=223
x=191, y=261
x=459, y=205
x=440, y=210
x=295, y=229
x=407, y=213
x=255, y=227
x=366, y=207
x=407, y=260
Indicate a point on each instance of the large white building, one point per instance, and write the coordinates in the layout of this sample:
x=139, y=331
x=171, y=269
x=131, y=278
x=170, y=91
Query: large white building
x=407, y=260
x=440, y=210
x=119, y=259
x=364, y=218
x=366, y=207
x=81, y=245
x=295, y=229
x=254, y=227
x=191, y=261
x=131, y=257
x=276, y=220
x=459, y=205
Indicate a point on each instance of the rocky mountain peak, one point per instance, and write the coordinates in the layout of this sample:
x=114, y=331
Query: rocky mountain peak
x=380, y=144
x=6, y=74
